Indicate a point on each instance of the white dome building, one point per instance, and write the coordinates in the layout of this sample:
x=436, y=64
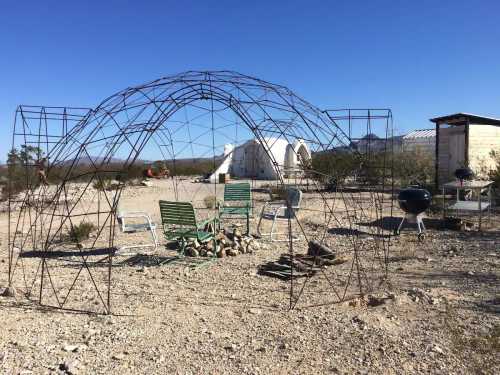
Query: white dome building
x=253, y=160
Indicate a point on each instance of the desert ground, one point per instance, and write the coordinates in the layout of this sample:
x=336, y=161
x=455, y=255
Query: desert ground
x=436, y=312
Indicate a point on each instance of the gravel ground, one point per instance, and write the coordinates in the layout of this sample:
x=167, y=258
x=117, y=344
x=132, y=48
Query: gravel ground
x=439, y=312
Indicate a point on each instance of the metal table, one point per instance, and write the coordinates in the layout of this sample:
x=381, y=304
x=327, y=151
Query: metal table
x=476, y=187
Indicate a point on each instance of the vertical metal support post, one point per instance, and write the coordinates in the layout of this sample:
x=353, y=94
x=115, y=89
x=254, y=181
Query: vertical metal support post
x=436, y=161
x=480, y=208
x=466, y=146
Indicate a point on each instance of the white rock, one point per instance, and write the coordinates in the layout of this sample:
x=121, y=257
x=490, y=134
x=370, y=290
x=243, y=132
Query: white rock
x=70, y=348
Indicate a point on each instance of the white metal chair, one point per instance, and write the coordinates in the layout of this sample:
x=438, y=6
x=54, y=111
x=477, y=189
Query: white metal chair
x=280, y=211
x=124, y=218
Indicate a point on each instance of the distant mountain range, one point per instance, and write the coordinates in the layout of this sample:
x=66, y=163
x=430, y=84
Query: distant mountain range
x=98, y=160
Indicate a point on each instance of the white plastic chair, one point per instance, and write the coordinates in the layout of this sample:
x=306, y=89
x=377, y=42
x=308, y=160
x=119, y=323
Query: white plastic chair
x=123, y=218
x=280, y=211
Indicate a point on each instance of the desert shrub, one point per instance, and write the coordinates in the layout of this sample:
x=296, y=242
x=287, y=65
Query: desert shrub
x=335, y=168
x=210, y=201
x=192, y=167
x=21, y=171
x=373, y=169
x=102, y=184
x=81, y=231
x=412, y=167
x=335, y=165
x=494, y=175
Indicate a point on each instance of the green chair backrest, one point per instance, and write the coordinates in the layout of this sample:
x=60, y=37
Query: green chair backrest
x=237, y=192
x=177, y=216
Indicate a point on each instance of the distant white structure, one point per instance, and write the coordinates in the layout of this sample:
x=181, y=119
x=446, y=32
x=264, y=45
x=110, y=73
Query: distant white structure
x=423, y=140
x=253, y=160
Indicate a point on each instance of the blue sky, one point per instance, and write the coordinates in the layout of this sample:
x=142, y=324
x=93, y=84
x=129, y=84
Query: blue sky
x=419, y=58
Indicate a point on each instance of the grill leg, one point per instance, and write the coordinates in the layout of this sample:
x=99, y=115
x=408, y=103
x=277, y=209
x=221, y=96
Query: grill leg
x=398, y=230
x=420, y=225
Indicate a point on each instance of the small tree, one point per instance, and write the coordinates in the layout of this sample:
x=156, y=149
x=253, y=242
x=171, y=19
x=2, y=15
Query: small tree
x=21, y=169
x=413, y=167
x=494, y=174
x=337, y=166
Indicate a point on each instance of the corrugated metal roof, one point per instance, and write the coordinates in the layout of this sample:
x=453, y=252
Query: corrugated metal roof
x=421, y=133
x=459, y=118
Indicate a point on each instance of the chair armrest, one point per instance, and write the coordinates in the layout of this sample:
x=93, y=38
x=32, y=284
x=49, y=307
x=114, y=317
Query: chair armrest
x=275, y=204
x=131, y=215
x=134, y=214
x=273, y=207
x=202, y=224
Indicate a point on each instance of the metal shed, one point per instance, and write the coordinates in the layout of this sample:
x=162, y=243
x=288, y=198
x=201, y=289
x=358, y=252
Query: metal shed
x=422, y=139
x=464, y=139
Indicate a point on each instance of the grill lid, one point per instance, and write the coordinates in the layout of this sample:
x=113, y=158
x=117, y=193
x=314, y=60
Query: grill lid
x=414, y=200
x=464, y=173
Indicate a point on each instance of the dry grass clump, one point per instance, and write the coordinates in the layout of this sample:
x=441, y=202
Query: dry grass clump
x=81, y=232
x=210, y=201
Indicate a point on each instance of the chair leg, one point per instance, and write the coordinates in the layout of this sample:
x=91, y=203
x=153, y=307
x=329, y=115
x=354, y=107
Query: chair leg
x=248, y=223
x=272, y=228
x=260, y=221
x=155, y=236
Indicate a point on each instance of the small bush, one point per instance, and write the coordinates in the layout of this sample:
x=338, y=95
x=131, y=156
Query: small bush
x=494, y=175
x=412, y=167
x=81, y=232
x=335, y=165
x=21, y=172
x=102, y=184
x=210, y=201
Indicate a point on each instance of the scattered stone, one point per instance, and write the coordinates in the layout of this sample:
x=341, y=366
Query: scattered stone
x=10, y=291
x=433, y=301
x=373, y=301
x=118, y=356
x=90, y=333
x=231, y=348
x=70, y=367
x=255, y=311
x=437, y=349
x=254, y=245
x=192, y=252
x=70, y=348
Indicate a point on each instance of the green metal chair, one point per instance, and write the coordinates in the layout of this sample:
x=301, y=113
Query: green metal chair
x=179, y=223
x=237, y=202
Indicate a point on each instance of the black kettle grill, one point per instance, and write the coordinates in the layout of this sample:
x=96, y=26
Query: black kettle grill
x=414, y=201
x=464, y=173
